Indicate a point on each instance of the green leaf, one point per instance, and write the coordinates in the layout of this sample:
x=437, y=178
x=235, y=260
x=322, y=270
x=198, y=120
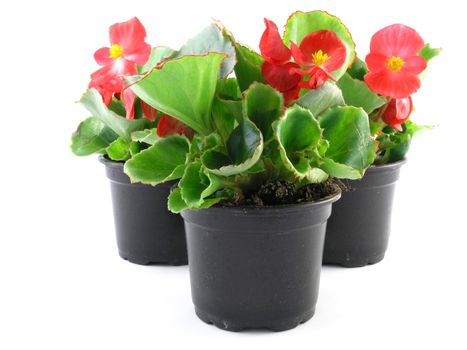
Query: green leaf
x=341, y=171
x=119, y=150
x=358, y=69
x=148, y=136
x=244, y=148
x=193, y=184
x=92, y=101
x=117, y=107
x=316, y=175
x=224, y=114
x=259, y=167
x=211, y=39
x=209, y=202
x=350, y=144
x=357, y=93
x=245, y=143
x=249, y=63
x=183, y=88
x=319, y=100
x=226, y=107
x=176, y=204
x=301, y=24
x=158, y=54
x=161, y=162
x=136, y=147
x=393, y=146
x=297, y=132
x=428, y=52
x=263, y=105
x=248, y=67
x=228, y=89
x=92, y=136
x=199, y=145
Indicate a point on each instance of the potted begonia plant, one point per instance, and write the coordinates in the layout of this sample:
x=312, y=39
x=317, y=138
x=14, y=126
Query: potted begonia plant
x=117, y=129
x=359, y=228
x=259, y=176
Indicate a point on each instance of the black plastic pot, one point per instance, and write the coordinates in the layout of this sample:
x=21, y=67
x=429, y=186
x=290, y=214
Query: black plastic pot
x=358, y=230
x=146, y=231
x=256, y=267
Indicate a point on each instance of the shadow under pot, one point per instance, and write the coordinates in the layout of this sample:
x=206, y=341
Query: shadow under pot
x=256, y=267
x=358, y=230
x=147, y=233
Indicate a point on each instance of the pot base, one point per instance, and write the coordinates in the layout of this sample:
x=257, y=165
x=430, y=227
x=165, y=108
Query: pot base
x=235, y=326
x=353, y=262
x=138, y=260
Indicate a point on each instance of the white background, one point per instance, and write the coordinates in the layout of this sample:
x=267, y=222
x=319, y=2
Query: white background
x=62, y=284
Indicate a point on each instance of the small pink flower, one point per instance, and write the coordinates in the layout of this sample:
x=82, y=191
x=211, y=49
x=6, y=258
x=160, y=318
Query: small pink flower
x=393, y=62
x=128, y=49
x=322, y=53
x=128, y=44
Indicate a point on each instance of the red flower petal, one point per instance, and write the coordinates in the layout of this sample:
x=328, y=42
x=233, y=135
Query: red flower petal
x=300, y=71
x=414, y=65
x=140, y=56
x=105, y=83
x=397, y=112
x=298, y=55
x=329, y=43
x=396, y=40
x=393, y=84
x=376, y=62
x=168, y=125
x=130, y=35
x=128, y=97
x=102, y=56
x=124, y=68
x=291, y=95
x=317, y=78
x=105, y=93
x=279, y=76
x=148, y=111
x=271, y=45
x=108, y=80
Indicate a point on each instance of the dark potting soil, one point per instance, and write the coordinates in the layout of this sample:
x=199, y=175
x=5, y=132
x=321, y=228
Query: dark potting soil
x=283, y=192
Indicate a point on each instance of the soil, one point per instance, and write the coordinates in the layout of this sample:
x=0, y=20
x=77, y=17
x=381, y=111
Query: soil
x=283, y=192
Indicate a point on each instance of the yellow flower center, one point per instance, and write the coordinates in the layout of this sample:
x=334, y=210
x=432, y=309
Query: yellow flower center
x=319, y=57
x=395, y=63
x=115, y=51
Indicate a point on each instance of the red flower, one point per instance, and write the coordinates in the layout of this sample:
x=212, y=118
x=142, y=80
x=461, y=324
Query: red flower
x=322, y=52
x=168, y=125
x=277, y=68
x=148, y=111
x=128, y=50
x=100, y=83
x=393, y=61
x=128, y=44
x=397, y=111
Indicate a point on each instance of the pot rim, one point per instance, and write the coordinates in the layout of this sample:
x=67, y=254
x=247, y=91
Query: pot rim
x=397, y=164
x=282, y=208
x=246, y=208
x=111, y=163
x=113, y=166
